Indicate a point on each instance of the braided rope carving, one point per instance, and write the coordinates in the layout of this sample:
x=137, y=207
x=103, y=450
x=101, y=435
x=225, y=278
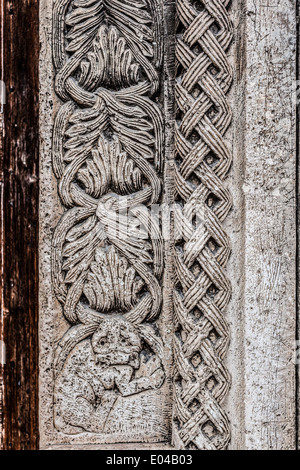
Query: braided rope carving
x=107, y=158
x=202, y=291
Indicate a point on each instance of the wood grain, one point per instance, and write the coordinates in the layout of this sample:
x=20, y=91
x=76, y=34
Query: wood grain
x=19, y=185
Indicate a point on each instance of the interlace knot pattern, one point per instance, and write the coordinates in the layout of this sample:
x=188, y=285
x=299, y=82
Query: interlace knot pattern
x=202, y=289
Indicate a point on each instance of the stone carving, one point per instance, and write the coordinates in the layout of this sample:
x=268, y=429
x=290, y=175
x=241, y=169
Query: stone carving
x=202, y=290
x=98, y=371
x=107, y=158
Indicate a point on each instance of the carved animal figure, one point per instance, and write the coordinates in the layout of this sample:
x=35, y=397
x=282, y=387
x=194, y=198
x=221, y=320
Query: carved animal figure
x=99, y=370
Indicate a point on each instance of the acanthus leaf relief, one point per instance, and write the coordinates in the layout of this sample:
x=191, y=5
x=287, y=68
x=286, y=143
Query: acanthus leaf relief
x=108, y=161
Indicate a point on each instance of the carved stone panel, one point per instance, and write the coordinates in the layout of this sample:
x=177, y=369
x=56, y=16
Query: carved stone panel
x=133, y=292
x=109, y=336
x=153, y=147
x=161, y=283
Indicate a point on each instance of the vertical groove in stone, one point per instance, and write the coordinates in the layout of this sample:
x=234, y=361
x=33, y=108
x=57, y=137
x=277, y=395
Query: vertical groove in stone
x=297, y=336
x=202, y=247
x=1, y=225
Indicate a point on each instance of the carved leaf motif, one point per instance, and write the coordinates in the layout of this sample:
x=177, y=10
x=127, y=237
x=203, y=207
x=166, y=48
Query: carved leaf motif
x=130, y=17
x=109, y=63
x=107, y=258
x=85, y=263
x=109, y=168
x=120, y=164
x=100, y=41
x=78, y=250
x=111, y=285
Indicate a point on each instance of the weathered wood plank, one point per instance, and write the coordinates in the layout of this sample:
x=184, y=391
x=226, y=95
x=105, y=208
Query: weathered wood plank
x=270, y=225
x=20, y=222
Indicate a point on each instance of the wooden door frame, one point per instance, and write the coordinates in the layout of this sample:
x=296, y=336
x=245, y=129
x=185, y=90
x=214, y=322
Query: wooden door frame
x=19, y=222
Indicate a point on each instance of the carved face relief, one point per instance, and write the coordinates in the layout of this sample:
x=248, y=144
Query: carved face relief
x=117, y=342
